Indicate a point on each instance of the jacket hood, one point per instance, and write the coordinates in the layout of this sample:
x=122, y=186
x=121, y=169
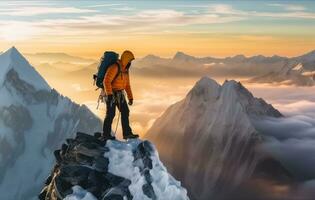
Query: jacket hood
x=126, y=57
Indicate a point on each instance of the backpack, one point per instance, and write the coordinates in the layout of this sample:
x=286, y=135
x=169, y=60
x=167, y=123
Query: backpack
x=107, y=60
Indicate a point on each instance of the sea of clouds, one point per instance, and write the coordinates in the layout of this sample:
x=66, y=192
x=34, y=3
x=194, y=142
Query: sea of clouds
x=291, y=139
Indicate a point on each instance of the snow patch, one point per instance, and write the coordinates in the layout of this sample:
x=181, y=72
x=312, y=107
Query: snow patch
x=121, y=163
x=80, y=194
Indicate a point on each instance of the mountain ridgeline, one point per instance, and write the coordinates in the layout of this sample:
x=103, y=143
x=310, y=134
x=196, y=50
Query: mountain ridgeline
x=208, y=140
x=34, y=121
x=298, y=70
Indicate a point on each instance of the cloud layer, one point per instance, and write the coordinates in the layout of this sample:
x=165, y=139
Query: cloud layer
x=292, y=141
x=124, y=17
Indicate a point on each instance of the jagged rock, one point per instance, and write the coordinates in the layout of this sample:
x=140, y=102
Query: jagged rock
x=81, y=162
x=83, y=169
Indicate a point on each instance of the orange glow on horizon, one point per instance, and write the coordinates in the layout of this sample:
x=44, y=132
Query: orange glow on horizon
x=167, y=46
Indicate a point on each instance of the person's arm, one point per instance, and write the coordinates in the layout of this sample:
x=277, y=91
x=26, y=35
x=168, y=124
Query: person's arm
x=109, y=77
x=128, y=89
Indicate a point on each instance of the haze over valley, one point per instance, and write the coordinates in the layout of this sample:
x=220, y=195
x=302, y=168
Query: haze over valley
x=159, y=82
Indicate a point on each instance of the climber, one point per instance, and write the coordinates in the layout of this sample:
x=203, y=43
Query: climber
x=116, y=82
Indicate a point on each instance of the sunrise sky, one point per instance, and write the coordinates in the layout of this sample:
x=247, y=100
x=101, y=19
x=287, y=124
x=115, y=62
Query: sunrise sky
x=87, y=28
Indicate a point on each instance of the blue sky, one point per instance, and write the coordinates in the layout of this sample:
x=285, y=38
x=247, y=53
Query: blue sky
x=60, y=23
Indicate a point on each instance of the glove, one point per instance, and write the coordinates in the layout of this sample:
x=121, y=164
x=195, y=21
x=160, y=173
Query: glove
x=130, y=102
x=109, y=98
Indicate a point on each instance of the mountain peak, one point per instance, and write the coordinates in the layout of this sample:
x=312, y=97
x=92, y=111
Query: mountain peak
x=212, y=123
x=205, y=81
x=13, y=54
x=228, y=94
x=181, y=55
x=239, y=57
x=13, y=49
x=13, y=60
x=206, y=89
x=151, y=56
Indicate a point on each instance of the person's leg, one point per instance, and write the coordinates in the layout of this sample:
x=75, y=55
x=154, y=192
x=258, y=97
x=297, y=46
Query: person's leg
x=110, y=114
x=127, y=132
x=124, y=110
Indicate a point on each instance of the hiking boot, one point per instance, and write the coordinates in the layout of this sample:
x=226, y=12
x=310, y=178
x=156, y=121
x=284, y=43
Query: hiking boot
x=107, y=137
x=130, y=136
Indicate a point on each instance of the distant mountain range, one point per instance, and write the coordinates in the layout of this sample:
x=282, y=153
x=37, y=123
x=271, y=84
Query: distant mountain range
x=258, y=69
x=296, y=71
x=57, y=57
x=183, y=65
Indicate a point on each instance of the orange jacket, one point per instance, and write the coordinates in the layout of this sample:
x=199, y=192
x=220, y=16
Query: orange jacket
x=122, y=82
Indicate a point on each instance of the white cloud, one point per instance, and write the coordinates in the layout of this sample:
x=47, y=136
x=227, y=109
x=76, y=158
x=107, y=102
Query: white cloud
x=148, y=21
x=99, y=24
x=292, y=138
x=41, y=10
x=15, y=30
x=105, y=5
x=292, y=11
x=290, y=7
x=25, y=3
x=225, y=9
x=124, y=8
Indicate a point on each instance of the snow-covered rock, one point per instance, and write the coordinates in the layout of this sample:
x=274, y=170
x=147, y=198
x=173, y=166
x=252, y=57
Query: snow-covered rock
x=208, y=140
x=34, y=120
x=89, y=169
x=13, y=60
x=298, y=71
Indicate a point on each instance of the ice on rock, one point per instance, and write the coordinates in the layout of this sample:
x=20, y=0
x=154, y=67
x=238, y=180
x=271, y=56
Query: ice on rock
x=80, y=194
x=109, y=170
x=122, y=163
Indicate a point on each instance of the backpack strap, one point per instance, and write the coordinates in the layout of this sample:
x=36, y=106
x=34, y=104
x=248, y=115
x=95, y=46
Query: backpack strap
x=119, y=71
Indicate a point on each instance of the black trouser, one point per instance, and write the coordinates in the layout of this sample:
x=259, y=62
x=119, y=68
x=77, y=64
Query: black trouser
x=119, y=101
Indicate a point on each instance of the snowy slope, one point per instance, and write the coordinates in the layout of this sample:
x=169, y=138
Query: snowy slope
x=89, y=169
x=12, y=59
x=34, y=119
x=207, y=140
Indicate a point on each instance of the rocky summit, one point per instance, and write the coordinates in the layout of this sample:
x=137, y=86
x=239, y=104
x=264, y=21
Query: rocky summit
x=90, y=169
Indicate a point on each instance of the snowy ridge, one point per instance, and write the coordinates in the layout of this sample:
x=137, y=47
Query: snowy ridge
x=121, y=163
x=295, y=71
x=89, y=169
x=208, y=140
x=12, y=59
x=34, y=119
